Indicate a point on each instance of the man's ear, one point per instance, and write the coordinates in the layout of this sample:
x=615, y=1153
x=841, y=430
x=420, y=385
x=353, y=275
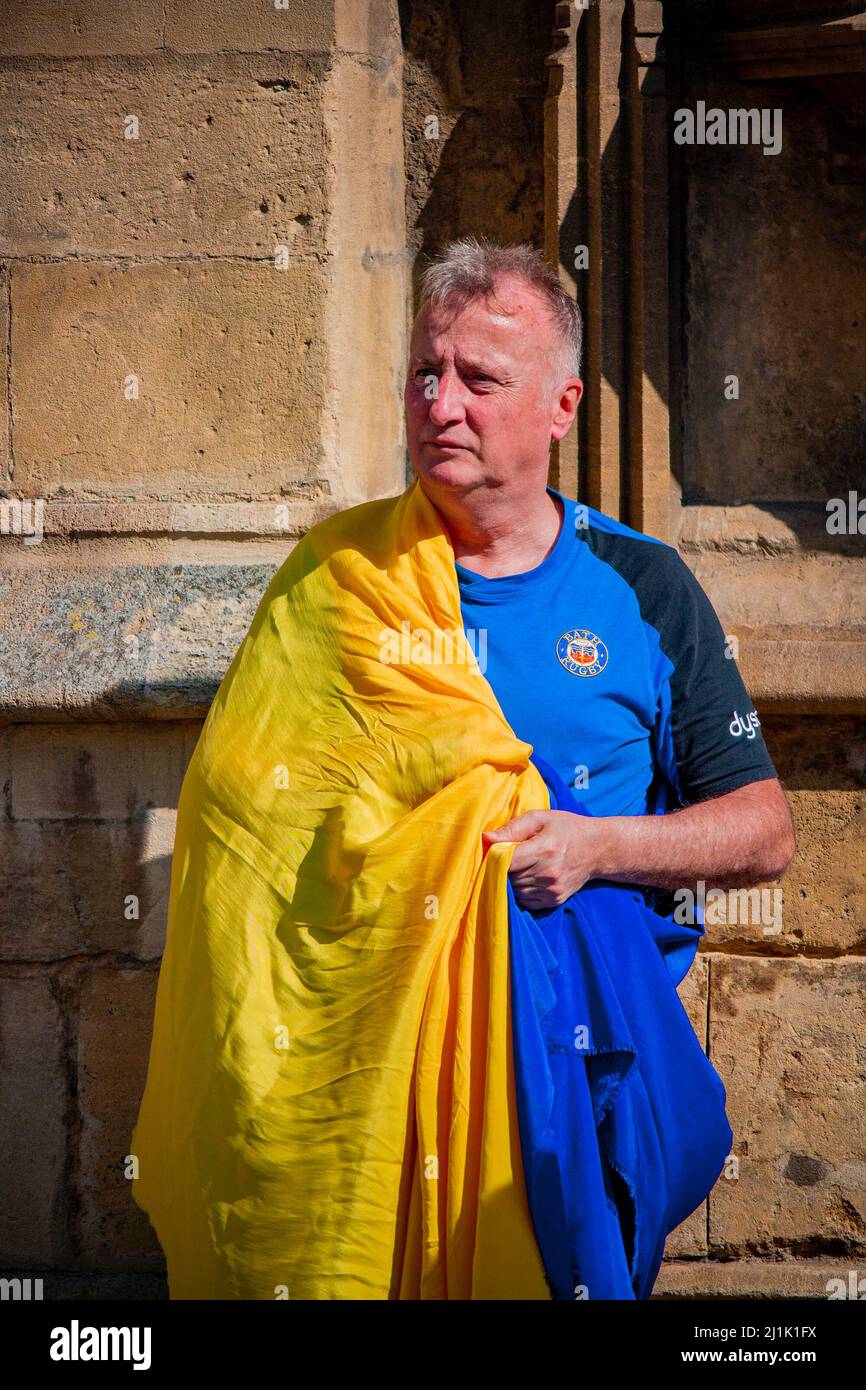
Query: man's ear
x=566, y=411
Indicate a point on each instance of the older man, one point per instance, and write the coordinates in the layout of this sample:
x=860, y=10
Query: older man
x=417, y=1033
x=602, y=648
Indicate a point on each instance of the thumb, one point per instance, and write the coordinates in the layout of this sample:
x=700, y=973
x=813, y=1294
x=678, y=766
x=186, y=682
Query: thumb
x=521, y=828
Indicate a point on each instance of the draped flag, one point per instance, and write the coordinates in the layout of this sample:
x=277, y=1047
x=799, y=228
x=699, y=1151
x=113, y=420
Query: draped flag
x=357, y=1087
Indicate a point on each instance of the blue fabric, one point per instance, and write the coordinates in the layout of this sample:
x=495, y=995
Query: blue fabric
x=604, y=723
x=623, y=1126
x=609, y=659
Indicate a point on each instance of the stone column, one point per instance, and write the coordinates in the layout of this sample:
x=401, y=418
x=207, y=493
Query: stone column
x=606, y=199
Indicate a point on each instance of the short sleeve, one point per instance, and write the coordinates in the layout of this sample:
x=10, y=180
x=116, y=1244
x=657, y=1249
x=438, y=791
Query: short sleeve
x=707, y=734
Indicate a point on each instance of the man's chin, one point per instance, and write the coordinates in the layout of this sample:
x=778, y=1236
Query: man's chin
x=451, y=472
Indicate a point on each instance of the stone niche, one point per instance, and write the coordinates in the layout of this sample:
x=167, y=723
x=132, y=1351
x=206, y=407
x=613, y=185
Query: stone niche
x=779, y=233
x=773, y=292
x=724, y=298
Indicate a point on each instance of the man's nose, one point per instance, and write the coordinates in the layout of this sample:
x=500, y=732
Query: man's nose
x=447, y=403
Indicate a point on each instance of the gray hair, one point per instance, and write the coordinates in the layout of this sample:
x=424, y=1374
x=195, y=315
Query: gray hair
x=469, y=268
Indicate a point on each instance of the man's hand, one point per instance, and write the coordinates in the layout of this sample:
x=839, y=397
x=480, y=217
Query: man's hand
x=555, y=855
x=738, y=839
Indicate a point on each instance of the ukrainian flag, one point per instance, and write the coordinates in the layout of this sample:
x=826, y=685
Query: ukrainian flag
x=363, y=1080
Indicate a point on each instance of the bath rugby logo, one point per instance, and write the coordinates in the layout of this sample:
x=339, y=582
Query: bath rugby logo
x=581, y=652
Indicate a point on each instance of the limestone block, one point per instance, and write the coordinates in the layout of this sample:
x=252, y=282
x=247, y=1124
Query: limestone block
x=751, y=1279
x=366, y=308
x=166, y=380
x=93, y=772
x=693, y=995
x=787, y=1038
x=68, y=27
x=820, y=904
x=823, y=763
x=33, y=1122
x=798, y=621
x=84, y=888
x=102, y=27
x=117, y=641
x=690, y=1237
x=788, y=596
x=221, y=24
x=5, y=457
x=75, y=184
x=114, y=1027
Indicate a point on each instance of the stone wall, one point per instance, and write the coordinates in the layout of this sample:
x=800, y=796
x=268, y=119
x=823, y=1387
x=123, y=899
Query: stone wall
x=203, y=235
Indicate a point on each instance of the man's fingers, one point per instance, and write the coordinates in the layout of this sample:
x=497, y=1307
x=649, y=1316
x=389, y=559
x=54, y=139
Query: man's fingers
x=521, y=828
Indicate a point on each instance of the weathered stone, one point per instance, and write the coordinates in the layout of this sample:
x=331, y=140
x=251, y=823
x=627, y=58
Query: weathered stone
x=787, y=597
x=365, y=318
x=76, y=185
x=227, y=360
x=68, y=27
x=772, y=1279
x=791, y=529
x=60, y=28
x=826, y=774
x=97, y=772
x=5, y=456
x=123, y=640
x=821, y=902
x=301, y=505
x=116, y=1013
x=33, y=1120
x=71, y=889
x=826, y=676
x=358, y=26
x=799, y=620
x=692, y=992
x=690, y=1237
x=787, y=1039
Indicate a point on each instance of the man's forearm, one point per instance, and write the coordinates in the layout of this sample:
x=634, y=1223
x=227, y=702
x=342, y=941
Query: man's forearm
x=741, y=838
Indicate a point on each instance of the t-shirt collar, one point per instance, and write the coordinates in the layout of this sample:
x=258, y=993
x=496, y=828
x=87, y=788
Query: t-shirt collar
x=480, y=586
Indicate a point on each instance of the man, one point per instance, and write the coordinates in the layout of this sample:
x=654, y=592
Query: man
x=651, y=706
x=416, y=1033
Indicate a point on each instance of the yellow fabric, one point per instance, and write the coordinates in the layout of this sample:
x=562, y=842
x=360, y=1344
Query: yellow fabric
x=330, y=1108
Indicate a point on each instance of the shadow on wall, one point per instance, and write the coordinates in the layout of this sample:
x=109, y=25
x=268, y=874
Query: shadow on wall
x=87, y=831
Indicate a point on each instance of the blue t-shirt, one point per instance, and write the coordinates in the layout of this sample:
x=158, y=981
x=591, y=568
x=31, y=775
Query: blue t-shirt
x=609, y=659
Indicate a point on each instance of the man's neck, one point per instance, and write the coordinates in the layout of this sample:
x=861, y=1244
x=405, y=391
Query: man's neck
x=496, y=534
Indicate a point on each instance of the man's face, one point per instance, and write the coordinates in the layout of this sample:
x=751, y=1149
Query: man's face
x=482, y=397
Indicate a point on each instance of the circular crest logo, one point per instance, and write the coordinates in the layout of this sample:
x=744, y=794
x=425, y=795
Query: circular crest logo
x=581, y=652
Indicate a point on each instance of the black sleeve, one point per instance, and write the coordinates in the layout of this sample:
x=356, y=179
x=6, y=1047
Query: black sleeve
x=707, y=734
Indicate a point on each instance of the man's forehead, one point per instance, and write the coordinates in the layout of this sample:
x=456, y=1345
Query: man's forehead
x=485, y=322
